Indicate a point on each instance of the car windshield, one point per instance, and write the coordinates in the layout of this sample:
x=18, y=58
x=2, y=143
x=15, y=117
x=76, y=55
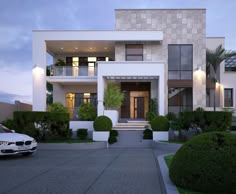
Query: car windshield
x=4, y=129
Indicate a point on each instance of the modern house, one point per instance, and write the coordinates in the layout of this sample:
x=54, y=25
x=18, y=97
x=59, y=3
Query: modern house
x=152, y=54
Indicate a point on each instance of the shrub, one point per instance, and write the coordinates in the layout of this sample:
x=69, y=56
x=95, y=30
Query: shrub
x=42, y=125
x=82, y=133
x=147, y=134
x=113, y=97
x=87, y=112
x=9, y=123
x=57, y=107
x=114, y=133
x=102, y=123
x=112, y=139
x=206, y=163
x=160, y=123
x=150, y=116
x=171, y=116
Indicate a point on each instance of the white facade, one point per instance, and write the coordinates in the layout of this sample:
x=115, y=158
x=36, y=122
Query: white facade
x=147, y=78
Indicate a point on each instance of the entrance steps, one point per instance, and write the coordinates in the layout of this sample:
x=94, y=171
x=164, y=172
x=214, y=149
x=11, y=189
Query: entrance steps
x=131, y=139
x=131, y=125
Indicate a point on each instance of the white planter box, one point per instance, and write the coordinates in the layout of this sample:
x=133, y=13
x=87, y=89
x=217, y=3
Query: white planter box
x=74, y=125
x=101, y=135
x=160, y=135
x=113, y=115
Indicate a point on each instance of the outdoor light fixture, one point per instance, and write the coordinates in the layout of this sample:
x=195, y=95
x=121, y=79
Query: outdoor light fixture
x=199, y=72
x=199, y=67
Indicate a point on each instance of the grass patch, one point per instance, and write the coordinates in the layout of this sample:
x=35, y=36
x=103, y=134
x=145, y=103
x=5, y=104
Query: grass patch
x=68, y=141
x=168, y=160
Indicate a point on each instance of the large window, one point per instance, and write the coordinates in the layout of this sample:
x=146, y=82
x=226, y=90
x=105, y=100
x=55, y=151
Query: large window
x=180, y=99
x=75, y=100
x=180, y=62
x=228, y=97
x=134, y=52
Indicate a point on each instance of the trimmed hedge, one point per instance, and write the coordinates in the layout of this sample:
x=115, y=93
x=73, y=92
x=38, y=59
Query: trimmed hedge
x=113, y=136
x=160, y=123
x=82, y=133
x=42, y=125
x=102, y=123
x=206, y=120
x=114, y=133
x=206, y=163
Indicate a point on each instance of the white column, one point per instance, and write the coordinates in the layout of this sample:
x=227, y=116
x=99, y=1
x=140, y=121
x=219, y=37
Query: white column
x=100, y=93
x=161, y=92
x=39, y=74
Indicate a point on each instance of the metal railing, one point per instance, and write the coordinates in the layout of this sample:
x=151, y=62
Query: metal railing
x=74, y=71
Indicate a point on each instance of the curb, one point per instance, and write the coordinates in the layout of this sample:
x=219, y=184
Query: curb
x=170, y=188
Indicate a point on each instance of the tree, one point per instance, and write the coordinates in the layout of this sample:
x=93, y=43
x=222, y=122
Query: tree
x=215, y=58
x=49, y=87
x=113, y=97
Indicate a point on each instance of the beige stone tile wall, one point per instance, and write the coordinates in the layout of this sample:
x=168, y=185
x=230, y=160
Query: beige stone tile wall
x=179, y=26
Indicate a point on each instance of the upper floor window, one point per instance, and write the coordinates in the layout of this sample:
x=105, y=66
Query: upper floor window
x=228, y=97
x=180, y=62
x=134, y=52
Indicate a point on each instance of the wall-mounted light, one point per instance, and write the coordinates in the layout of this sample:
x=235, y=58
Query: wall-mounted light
x=199, y=72
x=199, y=68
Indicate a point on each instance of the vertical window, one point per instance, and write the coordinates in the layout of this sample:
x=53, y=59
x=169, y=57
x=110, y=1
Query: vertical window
x=180, y=99
x=228, y=97
x=134, y=52
x=180, y=62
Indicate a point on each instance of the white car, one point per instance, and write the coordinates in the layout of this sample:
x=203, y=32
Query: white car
x=15, y=143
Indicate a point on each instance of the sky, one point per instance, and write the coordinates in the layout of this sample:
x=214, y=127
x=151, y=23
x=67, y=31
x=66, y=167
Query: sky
x=19, y=17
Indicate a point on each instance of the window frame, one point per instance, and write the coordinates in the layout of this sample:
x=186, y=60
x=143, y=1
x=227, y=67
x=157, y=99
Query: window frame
x=127, y=55
x=232, y=97
x=180, y=71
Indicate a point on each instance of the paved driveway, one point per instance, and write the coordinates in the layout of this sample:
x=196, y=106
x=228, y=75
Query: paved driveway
x=81, y=171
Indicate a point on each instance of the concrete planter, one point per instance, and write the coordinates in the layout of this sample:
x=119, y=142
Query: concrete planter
x=101, y=135
x=113, y=115
x=161, y=135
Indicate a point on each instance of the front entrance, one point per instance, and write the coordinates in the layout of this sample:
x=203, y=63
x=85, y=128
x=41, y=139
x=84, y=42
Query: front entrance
x=138, y=107
x=135, y=104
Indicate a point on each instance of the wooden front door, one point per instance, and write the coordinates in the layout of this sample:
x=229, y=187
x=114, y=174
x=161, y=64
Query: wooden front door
x=138, y=107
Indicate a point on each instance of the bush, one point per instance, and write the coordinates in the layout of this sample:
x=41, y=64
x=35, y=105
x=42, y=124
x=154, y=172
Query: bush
x=171, y=116
x=82, y=133
x=206, y=163
x=57, y=107
x=113, y=97
x=102, y=123
x=147, y=134
x=150, y=116
x=112, y=139
x=87, y=112
x=114, y=133
x=42, y=125
x=9, y=123
x=160, y=123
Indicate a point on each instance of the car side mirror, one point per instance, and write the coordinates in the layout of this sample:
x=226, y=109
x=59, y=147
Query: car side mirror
x=13, y=131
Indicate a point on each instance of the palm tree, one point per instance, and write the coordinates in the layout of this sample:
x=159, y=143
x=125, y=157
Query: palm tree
x=215, y=58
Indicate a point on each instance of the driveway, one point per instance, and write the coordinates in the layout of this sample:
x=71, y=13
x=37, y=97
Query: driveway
x=82, y=171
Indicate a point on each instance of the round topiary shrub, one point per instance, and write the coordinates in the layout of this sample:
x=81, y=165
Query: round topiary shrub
x=160, y=123
x=102, y=123
x=206, y=163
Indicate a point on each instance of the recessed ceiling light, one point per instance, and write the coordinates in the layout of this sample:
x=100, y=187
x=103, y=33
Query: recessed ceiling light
x=62, y=48
x=91, y=48
x=105, y=48
x=76, y=48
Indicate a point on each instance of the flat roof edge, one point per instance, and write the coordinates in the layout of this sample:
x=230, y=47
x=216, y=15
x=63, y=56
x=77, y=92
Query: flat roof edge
x=223, y=37
x=161, y=9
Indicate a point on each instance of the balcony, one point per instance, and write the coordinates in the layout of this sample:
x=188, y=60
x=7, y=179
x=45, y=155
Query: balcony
x=74, y=71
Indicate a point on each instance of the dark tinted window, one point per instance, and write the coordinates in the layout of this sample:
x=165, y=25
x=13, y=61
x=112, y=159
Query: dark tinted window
x=180, y=62
x=228, y=97
x=134, y=52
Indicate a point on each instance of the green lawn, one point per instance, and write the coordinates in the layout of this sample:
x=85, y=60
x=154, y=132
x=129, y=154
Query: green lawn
x=68, y=141
x=168, y=160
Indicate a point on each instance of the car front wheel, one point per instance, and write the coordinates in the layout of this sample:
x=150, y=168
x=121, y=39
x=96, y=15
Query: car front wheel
x=27, y=153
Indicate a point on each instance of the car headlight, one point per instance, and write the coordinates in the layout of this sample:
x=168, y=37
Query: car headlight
x=34, y=141
x=4, y=142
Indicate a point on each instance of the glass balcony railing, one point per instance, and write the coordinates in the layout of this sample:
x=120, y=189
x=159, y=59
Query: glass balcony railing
x=74, y=71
